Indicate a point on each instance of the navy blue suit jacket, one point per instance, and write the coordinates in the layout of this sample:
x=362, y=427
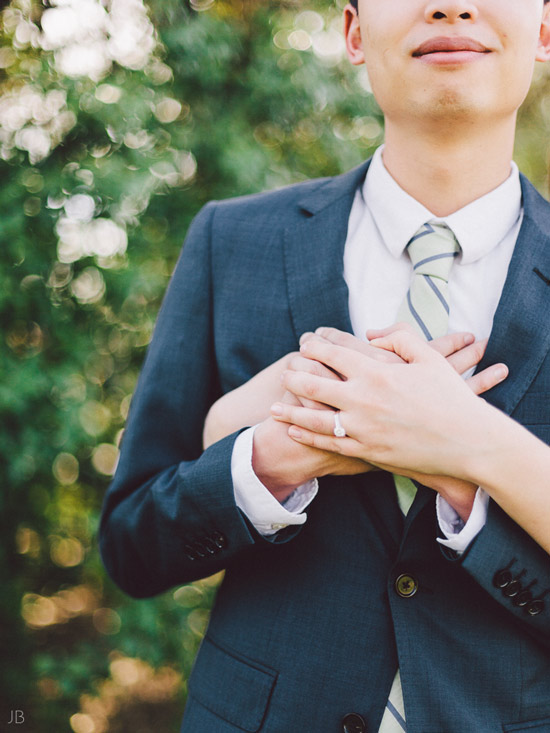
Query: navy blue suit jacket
x=307, y=625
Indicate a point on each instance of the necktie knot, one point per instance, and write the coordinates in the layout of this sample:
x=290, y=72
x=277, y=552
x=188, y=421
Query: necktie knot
x=432, y=250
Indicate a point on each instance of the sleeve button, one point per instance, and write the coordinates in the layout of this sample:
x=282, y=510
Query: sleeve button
x=199, y=549
x=512, y=589
x=190, y=552
x=535, y=607
x=523, y=598
x=209, y=546
x=502, y=578
x=219, y=540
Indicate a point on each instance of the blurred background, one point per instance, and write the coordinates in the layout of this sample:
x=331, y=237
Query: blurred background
x=119, y=119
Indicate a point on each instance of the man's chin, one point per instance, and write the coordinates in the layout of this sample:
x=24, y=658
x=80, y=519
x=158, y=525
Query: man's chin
x=449, y=105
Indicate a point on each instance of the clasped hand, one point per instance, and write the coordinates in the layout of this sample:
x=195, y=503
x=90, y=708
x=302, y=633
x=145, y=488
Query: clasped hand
x=402, y=403
x=400, y=399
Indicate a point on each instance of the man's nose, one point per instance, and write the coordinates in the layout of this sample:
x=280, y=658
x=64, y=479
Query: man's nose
x=451, y=11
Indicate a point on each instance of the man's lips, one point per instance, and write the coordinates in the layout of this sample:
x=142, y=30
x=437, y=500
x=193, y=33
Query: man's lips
x=441, y=44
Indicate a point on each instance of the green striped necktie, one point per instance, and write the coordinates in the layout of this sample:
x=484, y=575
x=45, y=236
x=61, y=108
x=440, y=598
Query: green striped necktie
x=426, y=307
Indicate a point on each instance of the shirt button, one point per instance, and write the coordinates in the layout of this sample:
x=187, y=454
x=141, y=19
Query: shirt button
x=406, y=586
x=278, y=526
x=353, y=723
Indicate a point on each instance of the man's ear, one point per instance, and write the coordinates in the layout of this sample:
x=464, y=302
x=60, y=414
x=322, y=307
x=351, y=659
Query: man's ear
x=352, y=35
x=543, y=49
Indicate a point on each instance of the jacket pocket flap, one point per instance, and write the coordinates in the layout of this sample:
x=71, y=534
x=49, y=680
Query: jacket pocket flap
x=234, y=689
x=542, y=725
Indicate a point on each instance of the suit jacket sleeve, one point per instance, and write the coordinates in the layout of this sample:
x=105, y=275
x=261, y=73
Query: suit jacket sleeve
x=170, y=516
x=513, y=569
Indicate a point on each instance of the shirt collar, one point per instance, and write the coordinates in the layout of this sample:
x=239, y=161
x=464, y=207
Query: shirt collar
x=479, y=227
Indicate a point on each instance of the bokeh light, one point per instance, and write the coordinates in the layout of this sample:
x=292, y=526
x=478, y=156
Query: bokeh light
x=65, y=468
x=66, y=552
x=105, y=458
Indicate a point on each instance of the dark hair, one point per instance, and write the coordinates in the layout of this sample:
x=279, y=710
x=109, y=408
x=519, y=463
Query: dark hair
x=354, y=3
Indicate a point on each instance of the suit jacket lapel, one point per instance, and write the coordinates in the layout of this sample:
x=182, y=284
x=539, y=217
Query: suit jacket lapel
x=318, y=294
x=314, y=249
x=520, y=336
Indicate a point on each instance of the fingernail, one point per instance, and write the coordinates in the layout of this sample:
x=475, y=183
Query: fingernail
x=501, y=373
x=305, y=335
x=304, y=346
x=320, y=331
x=276, y=409
x=294, y=432
x=469, y=338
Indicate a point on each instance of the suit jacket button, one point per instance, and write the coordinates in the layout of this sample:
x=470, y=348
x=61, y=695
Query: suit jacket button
x=523, y=598
x=190, y=552
x=199, y=549
x=209, y=546
x=353, y=723
x=512, y=589
x=502, y=578
x=219, y=539
x=535, y=607
x=406, y=586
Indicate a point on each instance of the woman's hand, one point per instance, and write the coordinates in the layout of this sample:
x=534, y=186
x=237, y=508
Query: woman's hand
x=246, y=405
x=413, y=418
x=461, y=350
x=249, y=404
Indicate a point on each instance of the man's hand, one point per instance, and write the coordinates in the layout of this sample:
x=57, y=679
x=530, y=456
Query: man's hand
x=460, y=494
x=461, y=351
x=417, y=416
x=282, y=464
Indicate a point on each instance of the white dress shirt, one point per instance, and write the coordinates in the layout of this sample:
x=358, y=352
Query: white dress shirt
x=378, y=271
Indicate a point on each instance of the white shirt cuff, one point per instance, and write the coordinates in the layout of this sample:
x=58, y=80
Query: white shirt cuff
x=260, y=506
x=459, y=534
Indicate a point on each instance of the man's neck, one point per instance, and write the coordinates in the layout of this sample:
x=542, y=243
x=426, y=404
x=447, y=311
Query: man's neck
x=445, y=172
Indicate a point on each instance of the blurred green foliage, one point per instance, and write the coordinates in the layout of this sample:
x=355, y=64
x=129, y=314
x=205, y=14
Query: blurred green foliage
x=117, y=122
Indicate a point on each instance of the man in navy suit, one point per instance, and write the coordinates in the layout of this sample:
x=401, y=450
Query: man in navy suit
x=333, y=597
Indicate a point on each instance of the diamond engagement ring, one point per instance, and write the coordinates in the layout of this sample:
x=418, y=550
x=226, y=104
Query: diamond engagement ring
x=338, y=431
